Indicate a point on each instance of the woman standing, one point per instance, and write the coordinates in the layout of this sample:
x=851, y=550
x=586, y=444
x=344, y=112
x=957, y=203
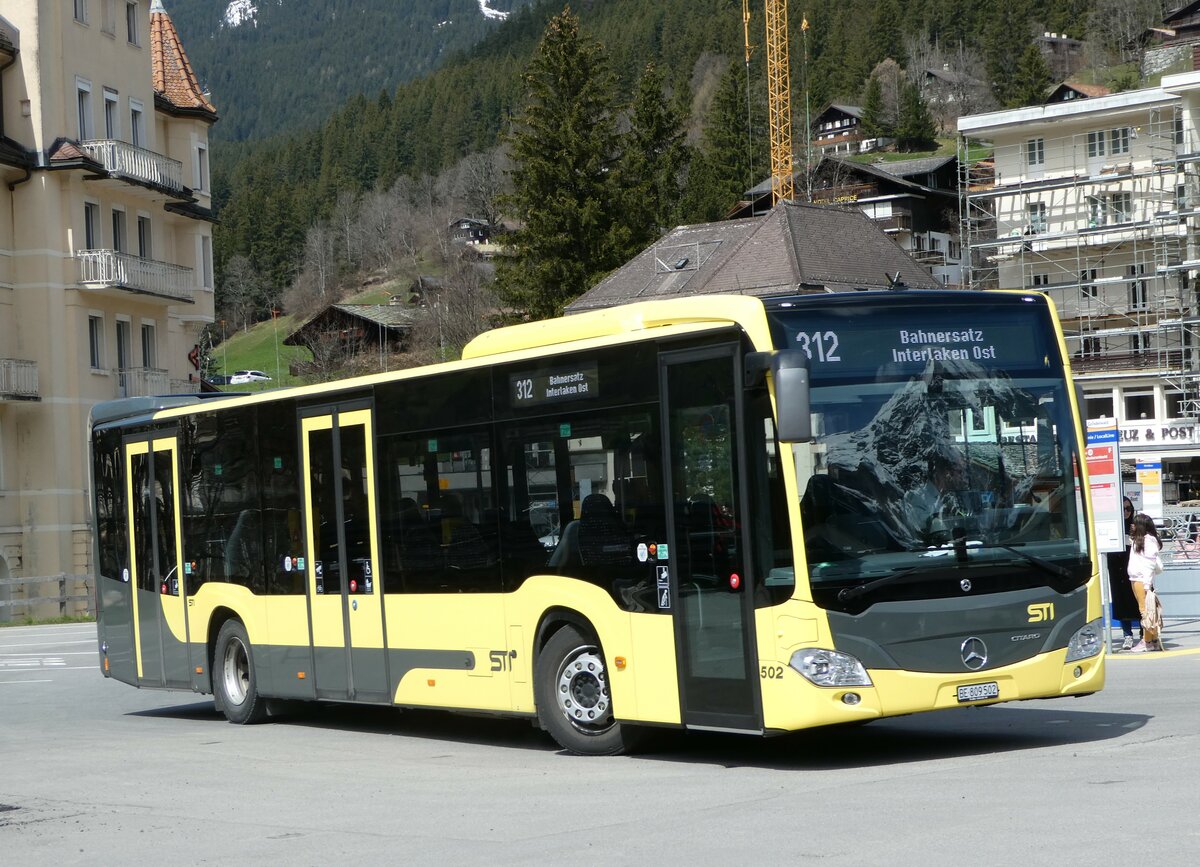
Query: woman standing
x=1125, y=607
x=1143, y=559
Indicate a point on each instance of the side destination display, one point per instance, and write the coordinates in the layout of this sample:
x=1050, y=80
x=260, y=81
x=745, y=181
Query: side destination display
x=559, y=385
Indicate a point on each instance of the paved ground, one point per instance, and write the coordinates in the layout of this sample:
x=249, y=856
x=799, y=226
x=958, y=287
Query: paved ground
x=96, y=772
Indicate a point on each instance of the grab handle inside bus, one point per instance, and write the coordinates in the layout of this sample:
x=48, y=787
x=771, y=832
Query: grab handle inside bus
x=789, y=372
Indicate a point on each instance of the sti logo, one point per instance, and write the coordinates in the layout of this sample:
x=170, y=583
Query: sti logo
x=1040, y=612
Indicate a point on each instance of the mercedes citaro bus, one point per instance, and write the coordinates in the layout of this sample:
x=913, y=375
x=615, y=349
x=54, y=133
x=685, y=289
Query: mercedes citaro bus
x=719, y=513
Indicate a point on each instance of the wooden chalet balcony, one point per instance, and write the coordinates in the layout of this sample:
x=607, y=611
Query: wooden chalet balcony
x=101, y=269
x=18, y=380
x=142, y=382
x=138, y=165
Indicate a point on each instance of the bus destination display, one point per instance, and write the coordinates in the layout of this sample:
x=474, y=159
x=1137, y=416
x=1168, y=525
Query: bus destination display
x=535, y=388
x=843, y=347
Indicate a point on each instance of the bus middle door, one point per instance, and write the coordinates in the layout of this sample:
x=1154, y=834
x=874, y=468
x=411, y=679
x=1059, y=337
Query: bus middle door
x=155, y=563
x=349, y=657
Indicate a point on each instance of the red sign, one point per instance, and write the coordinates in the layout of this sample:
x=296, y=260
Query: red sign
x=194, y=356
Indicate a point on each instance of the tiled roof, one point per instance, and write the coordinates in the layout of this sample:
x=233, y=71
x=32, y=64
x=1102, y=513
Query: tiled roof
x=909, y=168
x=174, y=79
x=793, y=248
x=387, y=315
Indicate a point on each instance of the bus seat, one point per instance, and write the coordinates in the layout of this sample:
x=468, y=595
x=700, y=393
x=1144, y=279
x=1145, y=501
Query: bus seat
x=603, y=539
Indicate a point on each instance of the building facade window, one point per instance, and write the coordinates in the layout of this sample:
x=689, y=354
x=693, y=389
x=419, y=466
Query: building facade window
x=91, y=226
x=1099, y=405
x=206, y=267
x=1035, y=152
x=118, y=230
x=96, y=342
x=201, y=168
x=1087, y=282
x=145, y=246
x=112, y=120
x=83, y=98
x=1118, y=140
x=1139, y=405
x=1091, y=346
x=1041, y=279
x=1139, y=292
x=137, y=128
x=131, y=23
x=1095, y=144
x=149, y=345
x=81, y=11
x=1035, y=217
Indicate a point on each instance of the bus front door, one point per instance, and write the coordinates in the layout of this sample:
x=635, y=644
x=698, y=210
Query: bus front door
x=705, y=565
x=155, y=563
x=349, y=657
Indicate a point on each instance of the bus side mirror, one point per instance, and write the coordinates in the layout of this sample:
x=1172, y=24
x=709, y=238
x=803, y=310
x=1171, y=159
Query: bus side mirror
x=789, y=372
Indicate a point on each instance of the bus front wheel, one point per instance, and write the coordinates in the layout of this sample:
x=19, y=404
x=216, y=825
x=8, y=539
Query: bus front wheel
x=574, y=700
x=233, y=676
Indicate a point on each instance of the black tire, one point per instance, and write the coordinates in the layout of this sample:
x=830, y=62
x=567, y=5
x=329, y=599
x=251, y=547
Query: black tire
x=234, y=682
x=574, y=701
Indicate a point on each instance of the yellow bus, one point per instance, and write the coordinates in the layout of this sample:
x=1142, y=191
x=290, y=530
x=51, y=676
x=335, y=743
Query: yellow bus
x=720, y=513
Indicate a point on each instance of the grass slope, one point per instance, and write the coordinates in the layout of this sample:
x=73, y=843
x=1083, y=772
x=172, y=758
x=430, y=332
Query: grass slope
x=261, y=348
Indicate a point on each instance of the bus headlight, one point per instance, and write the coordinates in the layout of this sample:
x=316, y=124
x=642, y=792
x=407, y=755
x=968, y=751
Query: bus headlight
x=829, y=668
x=1088, y=641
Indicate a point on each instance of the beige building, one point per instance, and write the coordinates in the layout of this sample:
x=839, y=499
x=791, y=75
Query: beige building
x=105, y=253
x=1096, y=201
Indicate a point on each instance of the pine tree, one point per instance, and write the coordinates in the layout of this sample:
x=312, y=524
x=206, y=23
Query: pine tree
x=1005, y=37
x=564, y=195
x=1031, y=80
x=720, y=172
x=886, y=39
x=917, y=130
x=652, y=159
x=873, y=123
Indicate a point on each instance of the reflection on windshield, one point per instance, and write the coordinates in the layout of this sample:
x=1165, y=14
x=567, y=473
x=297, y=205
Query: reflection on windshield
x=907, y=469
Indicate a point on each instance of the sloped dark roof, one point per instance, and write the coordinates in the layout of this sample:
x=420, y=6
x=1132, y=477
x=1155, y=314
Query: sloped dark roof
x=393, y=317
x=911, y=168
x=12, y=154
x=793, y=248
x=1082, y=91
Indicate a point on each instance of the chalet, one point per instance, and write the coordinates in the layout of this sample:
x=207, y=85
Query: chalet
x=1069, y=90
x=914, y=201
x=838, y=129
x=468, y=230
x=354, y=328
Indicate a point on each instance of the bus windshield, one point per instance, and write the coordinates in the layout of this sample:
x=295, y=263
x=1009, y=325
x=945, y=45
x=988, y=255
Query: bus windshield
x=944, y=445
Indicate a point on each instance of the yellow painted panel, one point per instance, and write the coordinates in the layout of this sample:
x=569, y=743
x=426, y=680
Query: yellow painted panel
x=132, y=449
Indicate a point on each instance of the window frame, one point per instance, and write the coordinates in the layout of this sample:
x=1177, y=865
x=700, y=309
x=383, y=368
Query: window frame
x=112, y=116
x=1035, y=152
x=84, y=109
x=132, y=31
x=96, y=340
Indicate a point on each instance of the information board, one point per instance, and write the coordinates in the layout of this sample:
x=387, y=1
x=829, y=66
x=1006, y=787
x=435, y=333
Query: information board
x=558, y=385
x=1104, y=483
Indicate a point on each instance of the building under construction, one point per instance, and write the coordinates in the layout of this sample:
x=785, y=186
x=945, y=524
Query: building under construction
x=1096, y=201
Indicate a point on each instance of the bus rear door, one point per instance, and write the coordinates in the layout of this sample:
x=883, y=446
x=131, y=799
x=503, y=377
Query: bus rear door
x=704, y=567
x=155, y=563
x=349, y=658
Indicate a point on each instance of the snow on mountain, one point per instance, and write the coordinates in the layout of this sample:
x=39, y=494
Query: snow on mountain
x=489, y=12
x=238, y=12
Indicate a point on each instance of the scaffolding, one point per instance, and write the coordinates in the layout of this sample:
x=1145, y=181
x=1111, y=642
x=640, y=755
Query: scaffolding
x=1105, y=222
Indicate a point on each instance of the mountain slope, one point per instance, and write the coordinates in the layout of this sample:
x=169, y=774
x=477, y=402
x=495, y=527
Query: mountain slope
x=279, y=65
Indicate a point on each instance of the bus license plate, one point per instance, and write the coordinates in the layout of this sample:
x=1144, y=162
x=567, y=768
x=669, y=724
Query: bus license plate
x=979, y=691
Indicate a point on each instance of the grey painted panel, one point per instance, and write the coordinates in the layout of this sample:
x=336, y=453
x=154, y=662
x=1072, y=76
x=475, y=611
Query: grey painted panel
x=401, y=662
x=175, y=651
x=148, y=622
x=370, y=674
x=115, y=627
x=330, y=672
x=927, y=635
x=277, y=666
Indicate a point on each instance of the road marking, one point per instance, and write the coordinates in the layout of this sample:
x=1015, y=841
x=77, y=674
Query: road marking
x=47, y=643
x=66, y=653
x=14, y=682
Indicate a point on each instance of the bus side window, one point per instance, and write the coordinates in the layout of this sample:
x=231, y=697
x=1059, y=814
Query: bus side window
x=439, y=530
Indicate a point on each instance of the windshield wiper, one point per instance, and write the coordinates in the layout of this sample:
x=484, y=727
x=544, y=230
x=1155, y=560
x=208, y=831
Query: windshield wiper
x=849, y=594
x=1045, y=565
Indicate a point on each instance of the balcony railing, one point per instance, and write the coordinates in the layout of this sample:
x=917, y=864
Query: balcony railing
x=18, y=379
x=184, y=386
x=142, y=382
x=99, y=268
x=137, y=164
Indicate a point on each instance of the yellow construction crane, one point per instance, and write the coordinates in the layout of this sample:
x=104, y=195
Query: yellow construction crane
x=779, y=104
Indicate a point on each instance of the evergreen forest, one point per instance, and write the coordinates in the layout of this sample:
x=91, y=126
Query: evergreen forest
x=665, y=135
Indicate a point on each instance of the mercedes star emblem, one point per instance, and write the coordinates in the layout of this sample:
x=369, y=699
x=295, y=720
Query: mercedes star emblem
x=965, y=584
x=974, y=653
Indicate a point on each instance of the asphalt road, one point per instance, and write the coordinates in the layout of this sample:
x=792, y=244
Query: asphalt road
x=97, y=772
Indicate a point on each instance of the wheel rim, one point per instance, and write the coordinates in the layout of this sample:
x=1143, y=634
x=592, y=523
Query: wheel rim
x=235, y=671
x=581, y=690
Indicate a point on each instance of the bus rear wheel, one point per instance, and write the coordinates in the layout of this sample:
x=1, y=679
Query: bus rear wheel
x=234, y=681
x=574, y=700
